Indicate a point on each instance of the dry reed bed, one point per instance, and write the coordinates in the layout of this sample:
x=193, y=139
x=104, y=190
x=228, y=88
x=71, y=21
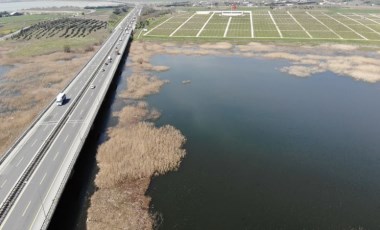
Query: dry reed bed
x=30, y=85
x=359, y=63
x=135, y=151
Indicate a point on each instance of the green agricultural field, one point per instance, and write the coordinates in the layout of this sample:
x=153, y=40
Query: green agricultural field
x=12, y=24
x=262, y=24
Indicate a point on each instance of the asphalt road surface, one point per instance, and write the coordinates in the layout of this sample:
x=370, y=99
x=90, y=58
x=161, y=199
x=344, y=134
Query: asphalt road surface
x=23, y=213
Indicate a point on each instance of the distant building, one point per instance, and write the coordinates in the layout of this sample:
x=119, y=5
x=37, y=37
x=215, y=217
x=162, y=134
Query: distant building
x=16, y=14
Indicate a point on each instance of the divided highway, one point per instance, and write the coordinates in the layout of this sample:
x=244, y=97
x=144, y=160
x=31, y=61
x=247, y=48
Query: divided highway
x=35, y=171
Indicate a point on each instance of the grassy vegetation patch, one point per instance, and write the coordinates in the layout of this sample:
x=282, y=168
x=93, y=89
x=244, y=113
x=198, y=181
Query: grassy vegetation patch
x=12, y=24
x=291, y=24
x=62, y=28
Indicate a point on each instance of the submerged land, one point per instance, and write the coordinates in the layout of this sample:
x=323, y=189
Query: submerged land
x=136, y=150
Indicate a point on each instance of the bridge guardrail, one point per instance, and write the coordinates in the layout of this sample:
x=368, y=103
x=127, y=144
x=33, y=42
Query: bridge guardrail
x=33, y=164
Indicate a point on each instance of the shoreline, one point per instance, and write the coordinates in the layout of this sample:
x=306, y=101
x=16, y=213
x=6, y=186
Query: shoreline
x=303, y=62
x=44, y=82
x=135, y=151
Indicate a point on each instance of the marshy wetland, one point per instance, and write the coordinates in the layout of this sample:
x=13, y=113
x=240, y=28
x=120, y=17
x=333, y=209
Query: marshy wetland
x=269, y=143
x=261, y=136
x=266, y=150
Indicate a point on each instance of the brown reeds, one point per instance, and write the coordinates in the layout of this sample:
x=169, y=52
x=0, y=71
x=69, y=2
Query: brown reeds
x=135, y=151
x=141, y=84
x=138, y=151
x=30, y=85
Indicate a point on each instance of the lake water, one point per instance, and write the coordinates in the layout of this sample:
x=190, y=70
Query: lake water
x=15, y=6
x=3, y=70
x=266, y=150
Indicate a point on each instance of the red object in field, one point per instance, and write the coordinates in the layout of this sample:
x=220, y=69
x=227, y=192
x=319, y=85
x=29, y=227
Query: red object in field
x=233, y=7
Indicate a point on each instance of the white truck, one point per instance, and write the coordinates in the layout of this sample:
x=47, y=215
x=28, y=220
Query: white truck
x=110, y=59
x=61, y=99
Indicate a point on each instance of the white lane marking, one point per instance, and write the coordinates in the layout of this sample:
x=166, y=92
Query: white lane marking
x=158, y=26
x=53, y=115
x=324, y=25
x=26, y=209
x=43, y=178
x=139, y=34
x=2, y=185
x=345, y=26
x=45, y=128
x=360, y=23
x=367, y=18
x=303, y=28
x=179, y=27
x=204, y=25
x=34, y=143
x=66, y=139
x=22, y=158
x=55, y=156
x=374, y=15
x=228, y=26
x=92, y=93
x=87, y=101
x=81, y=112
x=251, y=20
x=275, y=24
x=74, y=125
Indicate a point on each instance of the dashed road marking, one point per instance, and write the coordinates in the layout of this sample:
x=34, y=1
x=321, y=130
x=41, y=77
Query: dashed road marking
x=43, y=178
x=66, y=139
x=19, y=162
x=34, y=143
x=26, y=209
x=2, y=185
x=55, y=156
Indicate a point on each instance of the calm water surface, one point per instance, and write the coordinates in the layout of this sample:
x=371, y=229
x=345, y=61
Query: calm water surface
x=267, y=150
x=3, y=70
x=14, y=6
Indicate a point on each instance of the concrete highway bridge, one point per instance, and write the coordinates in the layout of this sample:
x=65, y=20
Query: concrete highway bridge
x=34, y=171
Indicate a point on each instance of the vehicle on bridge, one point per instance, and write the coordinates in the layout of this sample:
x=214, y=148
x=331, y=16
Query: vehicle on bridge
x=61, y=98
x=110, y=59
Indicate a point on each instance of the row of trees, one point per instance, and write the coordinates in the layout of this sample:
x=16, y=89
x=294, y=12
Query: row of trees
x=120, y=10
x=64, y=27
x=150, y=13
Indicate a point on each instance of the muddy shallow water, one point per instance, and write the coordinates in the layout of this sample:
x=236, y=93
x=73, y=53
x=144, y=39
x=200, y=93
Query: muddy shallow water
x=267, y=150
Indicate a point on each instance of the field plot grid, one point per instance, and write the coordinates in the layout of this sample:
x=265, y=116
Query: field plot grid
x=276, y=24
